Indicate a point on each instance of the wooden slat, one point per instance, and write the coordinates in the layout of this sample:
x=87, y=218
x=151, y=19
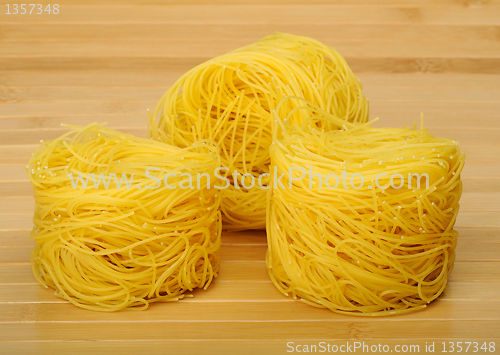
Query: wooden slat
x=13, y=172
x=55, y=310
x=132, y=77
x=90, y=93
x=346, y=328
x=20, y=237
x=203, y=48
x=44, y=108
x=242, y=32
x=258, y=14
x=359, y=64
x=30, y=136
x=224, y=346
x=16, y=154
x=478, y=219
x=146, y=93
x=389, y=3
x=479, y=202
x=481, y=170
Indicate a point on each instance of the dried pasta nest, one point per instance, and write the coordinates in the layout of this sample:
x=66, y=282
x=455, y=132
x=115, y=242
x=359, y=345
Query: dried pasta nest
x=115, y=247
x=372, y=250
x=231, y=98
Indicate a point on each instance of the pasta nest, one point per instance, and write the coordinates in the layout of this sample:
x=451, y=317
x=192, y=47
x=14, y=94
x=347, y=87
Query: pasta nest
x=381, y=248
x=230, y=99
x=108, y=248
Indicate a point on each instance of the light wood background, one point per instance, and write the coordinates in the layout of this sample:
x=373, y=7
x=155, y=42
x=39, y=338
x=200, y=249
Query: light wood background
x=111, y=60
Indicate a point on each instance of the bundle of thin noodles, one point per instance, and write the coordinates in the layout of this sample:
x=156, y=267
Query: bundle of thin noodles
x=230, y=99
x=109, y=234
x=361, y=222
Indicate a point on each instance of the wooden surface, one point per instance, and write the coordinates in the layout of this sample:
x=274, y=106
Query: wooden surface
x=111, y=60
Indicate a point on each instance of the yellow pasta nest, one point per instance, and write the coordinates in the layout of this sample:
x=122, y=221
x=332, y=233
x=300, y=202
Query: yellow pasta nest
x=384, y=247
x=230, y=99
x=108, y=248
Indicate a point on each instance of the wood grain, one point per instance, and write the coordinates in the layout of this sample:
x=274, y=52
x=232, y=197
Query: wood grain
x=246, y=33
x=110, y=60
x=270, y=14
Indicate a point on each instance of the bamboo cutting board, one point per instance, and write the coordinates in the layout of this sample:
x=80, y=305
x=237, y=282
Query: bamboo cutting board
x=111, y=60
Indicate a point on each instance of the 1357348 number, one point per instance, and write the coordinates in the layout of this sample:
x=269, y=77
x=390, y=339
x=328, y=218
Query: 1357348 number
x=28, y=9
x=468, y=346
